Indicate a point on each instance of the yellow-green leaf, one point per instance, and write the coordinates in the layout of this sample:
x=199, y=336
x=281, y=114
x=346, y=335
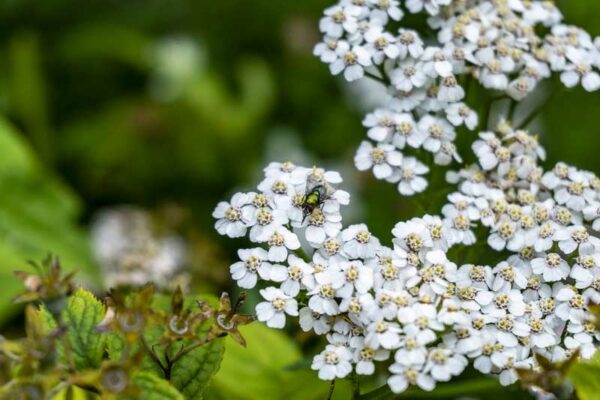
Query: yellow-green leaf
x=85, y=345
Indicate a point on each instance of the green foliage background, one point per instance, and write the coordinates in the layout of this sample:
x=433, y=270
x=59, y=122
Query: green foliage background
x=91, y=117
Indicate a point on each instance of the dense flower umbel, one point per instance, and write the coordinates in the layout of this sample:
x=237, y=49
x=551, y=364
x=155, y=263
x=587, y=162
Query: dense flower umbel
x=492, y=41
x=409, y=302
x=408, y=305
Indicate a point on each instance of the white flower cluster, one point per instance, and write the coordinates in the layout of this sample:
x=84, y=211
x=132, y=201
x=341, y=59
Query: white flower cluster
x=409, y=306
x=550, y=221
x=131, y=252
x=492, y=41
x=410, y=303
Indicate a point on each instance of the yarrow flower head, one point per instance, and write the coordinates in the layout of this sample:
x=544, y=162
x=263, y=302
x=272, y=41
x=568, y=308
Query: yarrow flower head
x=408, y=305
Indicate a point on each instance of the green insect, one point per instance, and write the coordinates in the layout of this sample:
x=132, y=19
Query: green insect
x=313, y=199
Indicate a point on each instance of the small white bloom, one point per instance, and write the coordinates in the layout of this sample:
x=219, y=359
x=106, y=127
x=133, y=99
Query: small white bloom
x=274, y=309
x=410, y=178
x=279, y=240
x=460, y=114
x=383, y=159
x=254, y=263
x=359, y=242
x=552, y=267
x=333, y=362
x=408, y=76
x=351, y=61
x=231, y=218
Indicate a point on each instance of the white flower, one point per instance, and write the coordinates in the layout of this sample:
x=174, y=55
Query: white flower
x=359, y=308
x=364, y=357
x=431, y=6
x=508, y=330
x=383, y=159
x=493, y=75
x=420, y=321
x=543, y=333
x=410, y=178
x=359, y=242
x=254, y=263
x=581, y=70
x=338, y=19
x=404, y=375
x=542, y=237
x=435, y=63
x=310, y=320
x=586, y=268
x=508, y=302
x=280, y=240
x=384, y=8
x=552, y=267
x=297, y=273
x=326, y=50
x=350, y=60
x=459, y=114
x=355, y=277
x=274, y=309
x=477, y=276
x=450, y=91
x=322, y=298
x=408, y=76
x=443, y=364
x=504, y=235
x=412, y=236
x=333, y=362
x=322, y=225
x=231, y=218
x=446, y=154
x=507, y=275
x=582, y=338
x=575, y=237
x=407, y=132
x=381, y=44
x=382, y=124
x=384, y=334
x=572, y=303
x=409, y=43
x=266, y=218
x=437, y=130
x=491, y=354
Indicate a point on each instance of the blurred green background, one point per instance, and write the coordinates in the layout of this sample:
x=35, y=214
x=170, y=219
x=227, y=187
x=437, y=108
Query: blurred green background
x=174, y=105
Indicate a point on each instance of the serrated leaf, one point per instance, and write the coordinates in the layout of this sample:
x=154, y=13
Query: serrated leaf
x=85, y=344
x=192, y=374
x=584, y=376
x=47, y=319
x=151, y=387
x=115, y=345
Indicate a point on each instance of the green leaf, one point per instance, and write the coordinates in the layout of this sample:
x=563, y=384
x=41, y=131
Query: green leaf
x=584, y=376
x=192, y=374
x=151, y=387
x=262, y=370
x=37, y=216
x=85, y=344
x=49, y=321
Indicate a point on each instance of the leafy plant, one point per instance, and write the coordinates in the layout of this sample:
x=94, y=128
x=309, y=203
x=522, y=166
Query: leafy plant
x=138, y=344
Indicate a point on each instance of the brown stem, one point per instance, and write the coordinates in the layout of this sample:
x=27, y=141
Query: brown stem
x=154, y=356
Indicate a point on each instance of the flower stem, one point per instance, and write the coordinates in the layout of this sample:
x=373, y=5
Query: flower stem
x=355, y=386
x=331, y=387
